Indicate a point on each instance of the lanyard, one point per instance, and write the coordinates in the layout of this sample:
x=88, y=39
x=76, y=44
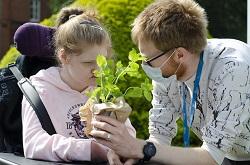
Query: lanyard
x=186, y=135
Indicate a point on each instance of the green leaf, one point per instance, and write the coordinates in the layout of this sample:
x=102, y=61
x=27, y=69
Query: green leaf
x=134, y=74
x=115, y=91
x=133, y=56
x=101, y=61
x=110, y=86
x=89, y=93
x=147, y=95
x=134, y=66
x=98, y=81
x=107, y=71
x=109, y=74
x=147, y=85
x=111, y=63
x=134, y=92
x=95, y=93
x=103, y=98
x=119, y=65
x=98, y=73
x=109, y=78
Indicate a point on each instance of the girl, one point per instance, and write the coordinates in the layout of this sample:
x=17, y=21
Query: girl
x=79, y=38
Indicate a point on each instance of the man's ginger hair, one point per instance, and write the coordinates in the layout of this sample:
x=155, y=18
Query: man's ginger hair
x=172, y=23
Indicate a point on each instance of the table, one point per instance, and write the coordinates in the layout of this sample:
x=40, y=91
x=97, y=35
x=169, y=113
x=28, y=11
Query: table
x=11, y=159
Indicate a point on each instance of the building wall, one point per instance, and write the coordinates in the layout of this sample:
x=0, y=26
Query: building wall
x=14, y=13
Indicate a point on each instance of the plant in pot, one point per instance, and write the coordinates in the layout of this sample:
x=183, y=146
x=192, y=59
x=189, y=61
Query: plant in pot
x=108, y=98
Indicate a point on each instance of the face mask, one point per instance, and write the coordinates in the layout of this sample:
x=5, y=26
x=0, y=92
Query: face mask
x=155, y=73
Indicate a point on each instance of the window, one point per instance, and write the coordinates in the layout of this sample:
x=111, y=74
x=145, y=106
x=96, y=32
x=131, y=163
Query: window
x=35, y=10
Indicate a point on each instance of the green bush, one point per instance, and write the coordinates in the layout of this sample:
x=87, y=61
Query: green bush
x=9, y=57
x=49, y=21
x=178, y=140
x=117, y=16
x=56, y=5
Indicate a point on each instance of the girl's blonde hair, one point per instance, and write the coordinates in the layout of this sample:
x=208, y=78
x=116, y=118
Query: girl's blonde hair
x=75, y=27
x=172, y=23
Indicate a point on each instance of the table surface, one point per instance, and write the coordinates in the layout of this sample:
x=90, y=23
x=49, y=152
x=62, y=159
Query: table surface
x=11, y=159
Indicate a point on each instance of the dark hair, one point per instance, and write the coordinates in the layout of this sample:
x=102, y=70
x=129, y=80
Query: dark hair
x=65, y=14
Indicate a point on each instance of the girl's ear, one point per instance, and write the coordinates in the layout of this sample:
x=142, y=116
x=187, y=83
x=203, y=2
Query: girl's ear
x=62, y=56
x=109, y=51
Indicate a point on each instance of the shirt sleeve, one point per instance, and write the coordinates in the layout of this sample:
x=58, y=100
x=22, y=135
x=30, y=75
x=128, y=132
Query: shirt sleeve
x=38, y=144
x=217, y=154
x=227, y=132
x=163, y=115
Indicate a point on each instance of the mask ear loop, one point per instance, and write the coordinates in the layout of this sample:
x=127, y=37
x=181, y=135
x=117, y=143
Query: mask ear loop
x=168, y=58
x=177, y=68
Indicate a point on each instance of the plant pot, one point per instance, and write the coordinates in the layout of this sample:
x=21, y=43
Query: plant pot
x=118, y=109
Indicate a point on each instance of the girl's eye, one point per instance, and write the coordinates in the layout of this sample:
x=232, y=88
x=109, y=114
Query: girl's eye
x=89, y=62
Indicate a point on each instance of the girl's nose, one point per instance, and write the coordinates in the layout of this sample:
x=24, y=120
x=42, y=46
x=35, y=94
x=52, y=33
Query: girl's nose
x=93, y=69
x=94, y=66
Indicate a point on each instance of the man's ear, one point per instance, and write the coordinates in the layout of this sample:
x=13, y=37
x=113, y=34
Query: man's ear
x=178, y=54
x=181, y=53
x=62, y=56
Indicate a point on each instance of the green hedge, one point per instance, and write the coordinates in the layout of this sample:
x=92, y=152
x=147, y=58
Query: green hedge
x=117, y=17
x=9, y=57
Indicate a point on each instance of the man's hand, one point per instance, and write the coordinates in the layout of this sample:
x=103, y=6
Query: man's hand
x=115, y=136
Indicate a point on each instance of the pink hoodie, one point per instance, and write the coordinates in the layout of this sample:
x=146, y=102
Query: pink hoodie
x=62, y=104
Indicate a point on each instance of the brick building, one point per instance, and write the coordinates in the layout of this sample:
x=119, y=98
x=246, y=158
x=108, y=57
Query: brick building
x=14, y=13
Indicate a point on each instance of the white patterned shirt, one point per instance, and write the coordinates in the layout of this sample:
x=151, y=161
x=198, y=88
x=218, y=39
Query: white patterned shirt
x=222, y=115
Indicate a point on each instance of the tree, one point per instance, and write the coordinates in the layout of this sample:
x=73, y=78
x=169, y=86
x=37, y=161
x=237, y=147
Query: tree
x=56, y=5
x=227, y=18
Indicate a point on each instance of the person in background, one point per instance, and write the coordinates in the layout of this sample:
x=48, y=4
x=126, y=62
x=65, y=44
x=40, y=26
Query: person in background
x=205, y=82
x=79, y=38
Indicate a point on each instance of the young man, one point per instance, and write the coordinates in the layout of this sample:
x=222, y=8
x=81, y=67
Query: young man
x=205, y=82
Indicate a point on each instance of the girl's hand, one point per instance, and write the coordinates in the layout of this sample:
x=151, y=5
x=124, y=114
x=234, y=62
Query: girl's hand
x=98, y=152
x=113, y=158
x=130, y=162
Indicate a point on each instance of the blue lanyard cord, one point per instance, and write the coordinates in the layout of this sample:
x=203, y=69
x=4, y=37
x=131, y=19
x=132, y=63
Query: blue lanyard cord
x=186, y=134
x=185, y=122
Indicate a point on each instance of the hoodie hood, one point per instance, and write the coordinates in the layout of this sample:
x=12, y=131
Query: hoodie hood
x=51, y=76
